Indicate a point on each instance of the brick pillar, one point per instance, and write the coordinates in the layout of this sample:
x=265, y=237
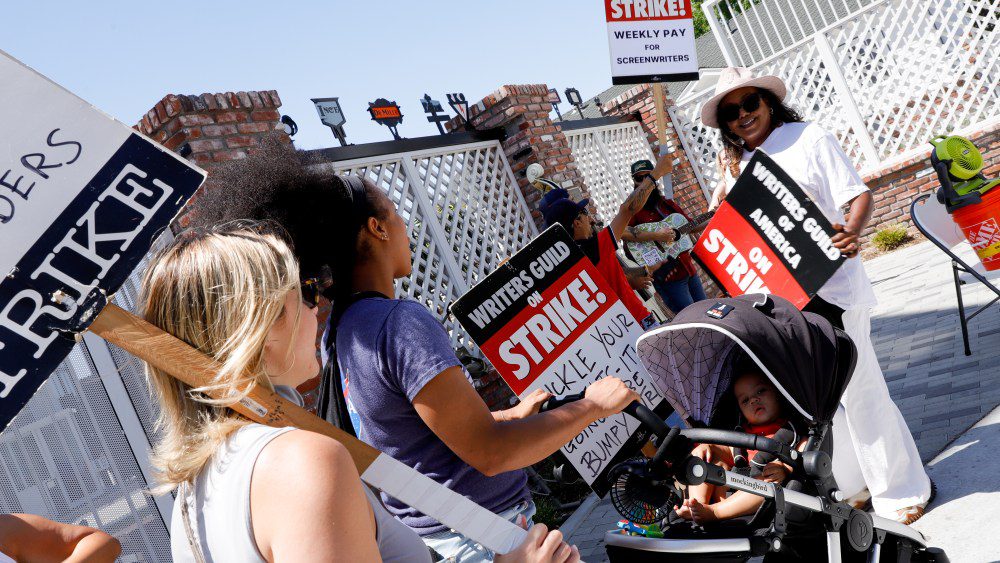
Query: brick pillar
x=523, y=110
x=639, y=100
x=210, y=129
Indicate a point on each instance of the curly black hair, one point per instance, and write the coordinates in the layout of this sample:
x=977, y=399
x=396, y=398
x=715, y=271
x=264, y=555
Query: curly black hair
x=280, y=184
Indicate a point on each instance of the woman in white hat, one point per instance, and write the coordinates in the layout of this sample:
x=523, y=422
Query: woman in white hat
x=750, y=113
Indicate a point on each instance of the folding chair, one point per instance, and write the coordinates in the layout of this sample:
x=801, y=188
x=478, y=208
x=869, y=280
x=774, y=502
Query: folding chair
x=931, y=218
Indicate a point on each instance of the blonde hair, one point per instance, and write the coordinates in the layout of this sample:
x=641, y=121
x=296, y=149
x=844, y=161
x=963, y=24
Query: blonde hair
x=220, y=290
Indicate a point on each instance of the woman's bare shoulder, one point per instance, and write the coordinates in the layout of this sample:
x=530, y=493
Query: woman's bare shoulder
x=300, y=455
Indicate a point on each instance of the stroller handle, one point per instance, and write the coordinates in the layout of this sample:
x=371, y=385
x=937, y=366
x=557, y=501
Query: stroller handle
x=741, y=440
x=660, y=429
x=648, y=418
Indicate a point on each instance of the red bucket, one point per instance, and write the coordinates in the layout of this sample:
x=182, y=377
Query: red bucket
x=980, y=223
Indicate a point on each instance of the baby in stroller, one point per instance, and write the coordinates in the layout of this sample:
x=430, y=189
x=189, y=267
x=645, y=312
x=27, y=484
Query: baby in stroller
x=766, y=347
x=763, y=414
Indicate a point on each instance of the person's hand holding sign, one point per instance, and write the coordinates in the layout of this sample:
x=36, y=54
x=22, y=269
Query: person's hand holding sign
x=608, y=396
x=528, y=406
x=846, y=240
x=664, y=166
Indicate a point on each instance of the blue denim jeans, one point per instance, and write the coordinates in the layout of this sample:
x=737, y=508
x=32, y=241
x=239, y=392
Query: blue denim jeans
x=456, y=548
x=680, y=293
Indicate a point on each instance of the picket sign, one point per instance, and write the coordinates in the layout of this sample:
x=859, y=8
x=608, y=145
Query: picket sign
x=768, y=236
x=82, y=197
x=651, y=41
x=547, y=319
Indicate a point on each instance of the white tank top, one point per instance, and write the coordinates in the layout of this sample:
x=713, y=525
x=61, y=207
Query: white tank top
x=5, y=559
x=220, y=511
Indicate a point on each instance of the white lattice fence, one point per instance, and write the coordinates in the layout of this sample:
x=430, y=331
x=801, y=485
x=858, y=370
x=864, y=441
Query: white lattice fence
x=464, y=213
x=749, y=31
x=603, y=155
x=884, y=80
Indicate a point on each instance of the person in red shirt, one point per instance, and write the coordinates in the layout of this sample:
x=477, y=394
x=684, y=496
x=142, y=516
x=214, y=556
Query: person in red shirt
x=601, y=246
x=676, y=280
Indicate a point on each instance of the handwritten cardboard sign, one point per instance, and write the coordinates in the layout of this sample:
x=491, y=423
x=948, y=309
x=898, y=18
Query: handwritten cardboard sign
x=768, y=237
x=547, y=319
x=81, y=199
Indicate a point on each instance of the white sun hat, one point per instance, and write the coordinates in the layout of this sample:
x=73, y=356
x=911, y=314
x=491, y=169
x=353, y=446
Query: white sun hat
x=733, y=78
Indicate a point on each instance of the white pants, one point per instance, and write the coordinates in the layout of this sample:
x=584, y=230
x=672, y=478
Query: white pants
x=883, y=450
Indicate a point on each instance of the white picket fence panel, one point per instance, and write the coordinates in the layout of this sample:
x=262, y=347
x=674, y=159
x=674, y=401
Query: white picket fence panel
x=464, y=212
x=885, y=79
x=604, y=155
x=749, y=31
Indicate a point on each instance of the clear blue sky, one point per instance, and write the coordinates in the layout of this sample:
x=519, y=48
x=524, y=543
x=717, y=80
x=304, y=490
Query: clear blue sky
x=124, y=56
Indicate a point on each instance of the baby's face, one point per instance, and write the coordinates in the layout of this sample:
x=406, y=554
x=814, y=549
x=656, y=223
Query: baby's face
x=757, y=397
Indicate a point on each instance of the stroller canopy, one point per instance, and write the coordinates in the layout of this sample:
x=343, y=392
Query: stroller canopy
x=690, y=359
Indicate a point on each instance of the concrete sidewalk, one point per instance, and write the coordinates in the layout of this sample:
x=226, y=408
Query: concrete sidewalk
x=940, y=392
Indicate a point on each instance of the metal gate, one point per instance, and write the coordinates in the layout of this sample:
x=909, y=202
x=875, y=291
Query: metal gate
x=79, y=451
x=464, y=212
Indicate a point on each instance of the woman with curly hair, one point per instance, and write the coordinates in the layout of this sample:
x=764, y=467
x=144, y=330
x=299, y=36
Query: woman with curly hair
x=390, y=360
x=249, y=492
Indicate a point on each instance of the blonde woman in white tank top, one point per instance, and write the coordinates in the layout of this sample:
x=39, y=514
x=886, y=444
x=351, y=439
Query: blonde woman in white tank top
x=249, y=492
x=26, y=537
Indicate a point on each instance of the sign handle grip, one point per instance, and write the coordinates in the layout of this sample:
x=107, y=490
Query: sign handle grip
x=167, y=352
x=661, y=117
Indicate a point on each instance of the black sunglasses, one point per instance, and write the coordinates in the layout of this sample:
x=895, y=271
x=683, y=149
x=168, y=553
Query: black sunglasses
x=731, y=112
x=310, y=292
x=640, y=176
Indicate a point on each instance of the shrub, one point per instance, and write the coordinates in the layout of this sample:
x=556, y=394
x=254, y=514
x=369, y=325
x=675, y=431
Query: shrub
x=891, y=237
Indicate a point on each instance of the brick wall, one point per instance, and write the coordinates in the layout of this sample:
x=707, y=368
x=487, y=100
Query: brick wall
x=209, y=129
x=522, y=110
x=895, y=186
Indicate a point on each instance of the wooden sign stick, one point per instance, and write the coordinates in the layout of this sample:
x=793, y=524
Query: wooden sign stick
x=661, y=117
x=183, y=362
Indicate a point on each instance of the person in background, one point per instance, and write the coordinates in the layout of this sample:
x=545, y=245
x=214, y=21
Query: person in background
x=26, y=537
x=675, y=280
x=249, y=492
x=392, y=358
x=750, y=113
x=601, y=246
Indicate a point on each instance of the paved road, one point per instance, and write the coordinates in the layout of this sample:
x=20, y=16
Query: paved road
x=940, y=392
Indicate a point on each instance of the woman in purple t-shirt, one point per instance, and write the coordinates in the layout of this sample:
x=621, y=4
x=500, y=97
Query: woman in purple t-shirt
x=411, y=395
x=397, y=366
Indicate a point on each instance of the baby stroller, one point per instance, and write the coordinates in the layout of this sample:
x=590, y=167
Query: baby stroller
x=691, y=362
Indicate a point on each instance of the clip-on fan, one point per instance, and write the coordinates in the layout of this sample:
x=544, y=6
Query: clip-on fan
x=959, y=166
x=643, y=490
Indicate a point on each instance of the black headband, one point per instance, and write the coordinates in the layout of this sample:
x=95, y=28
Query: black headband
x=358, y=194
